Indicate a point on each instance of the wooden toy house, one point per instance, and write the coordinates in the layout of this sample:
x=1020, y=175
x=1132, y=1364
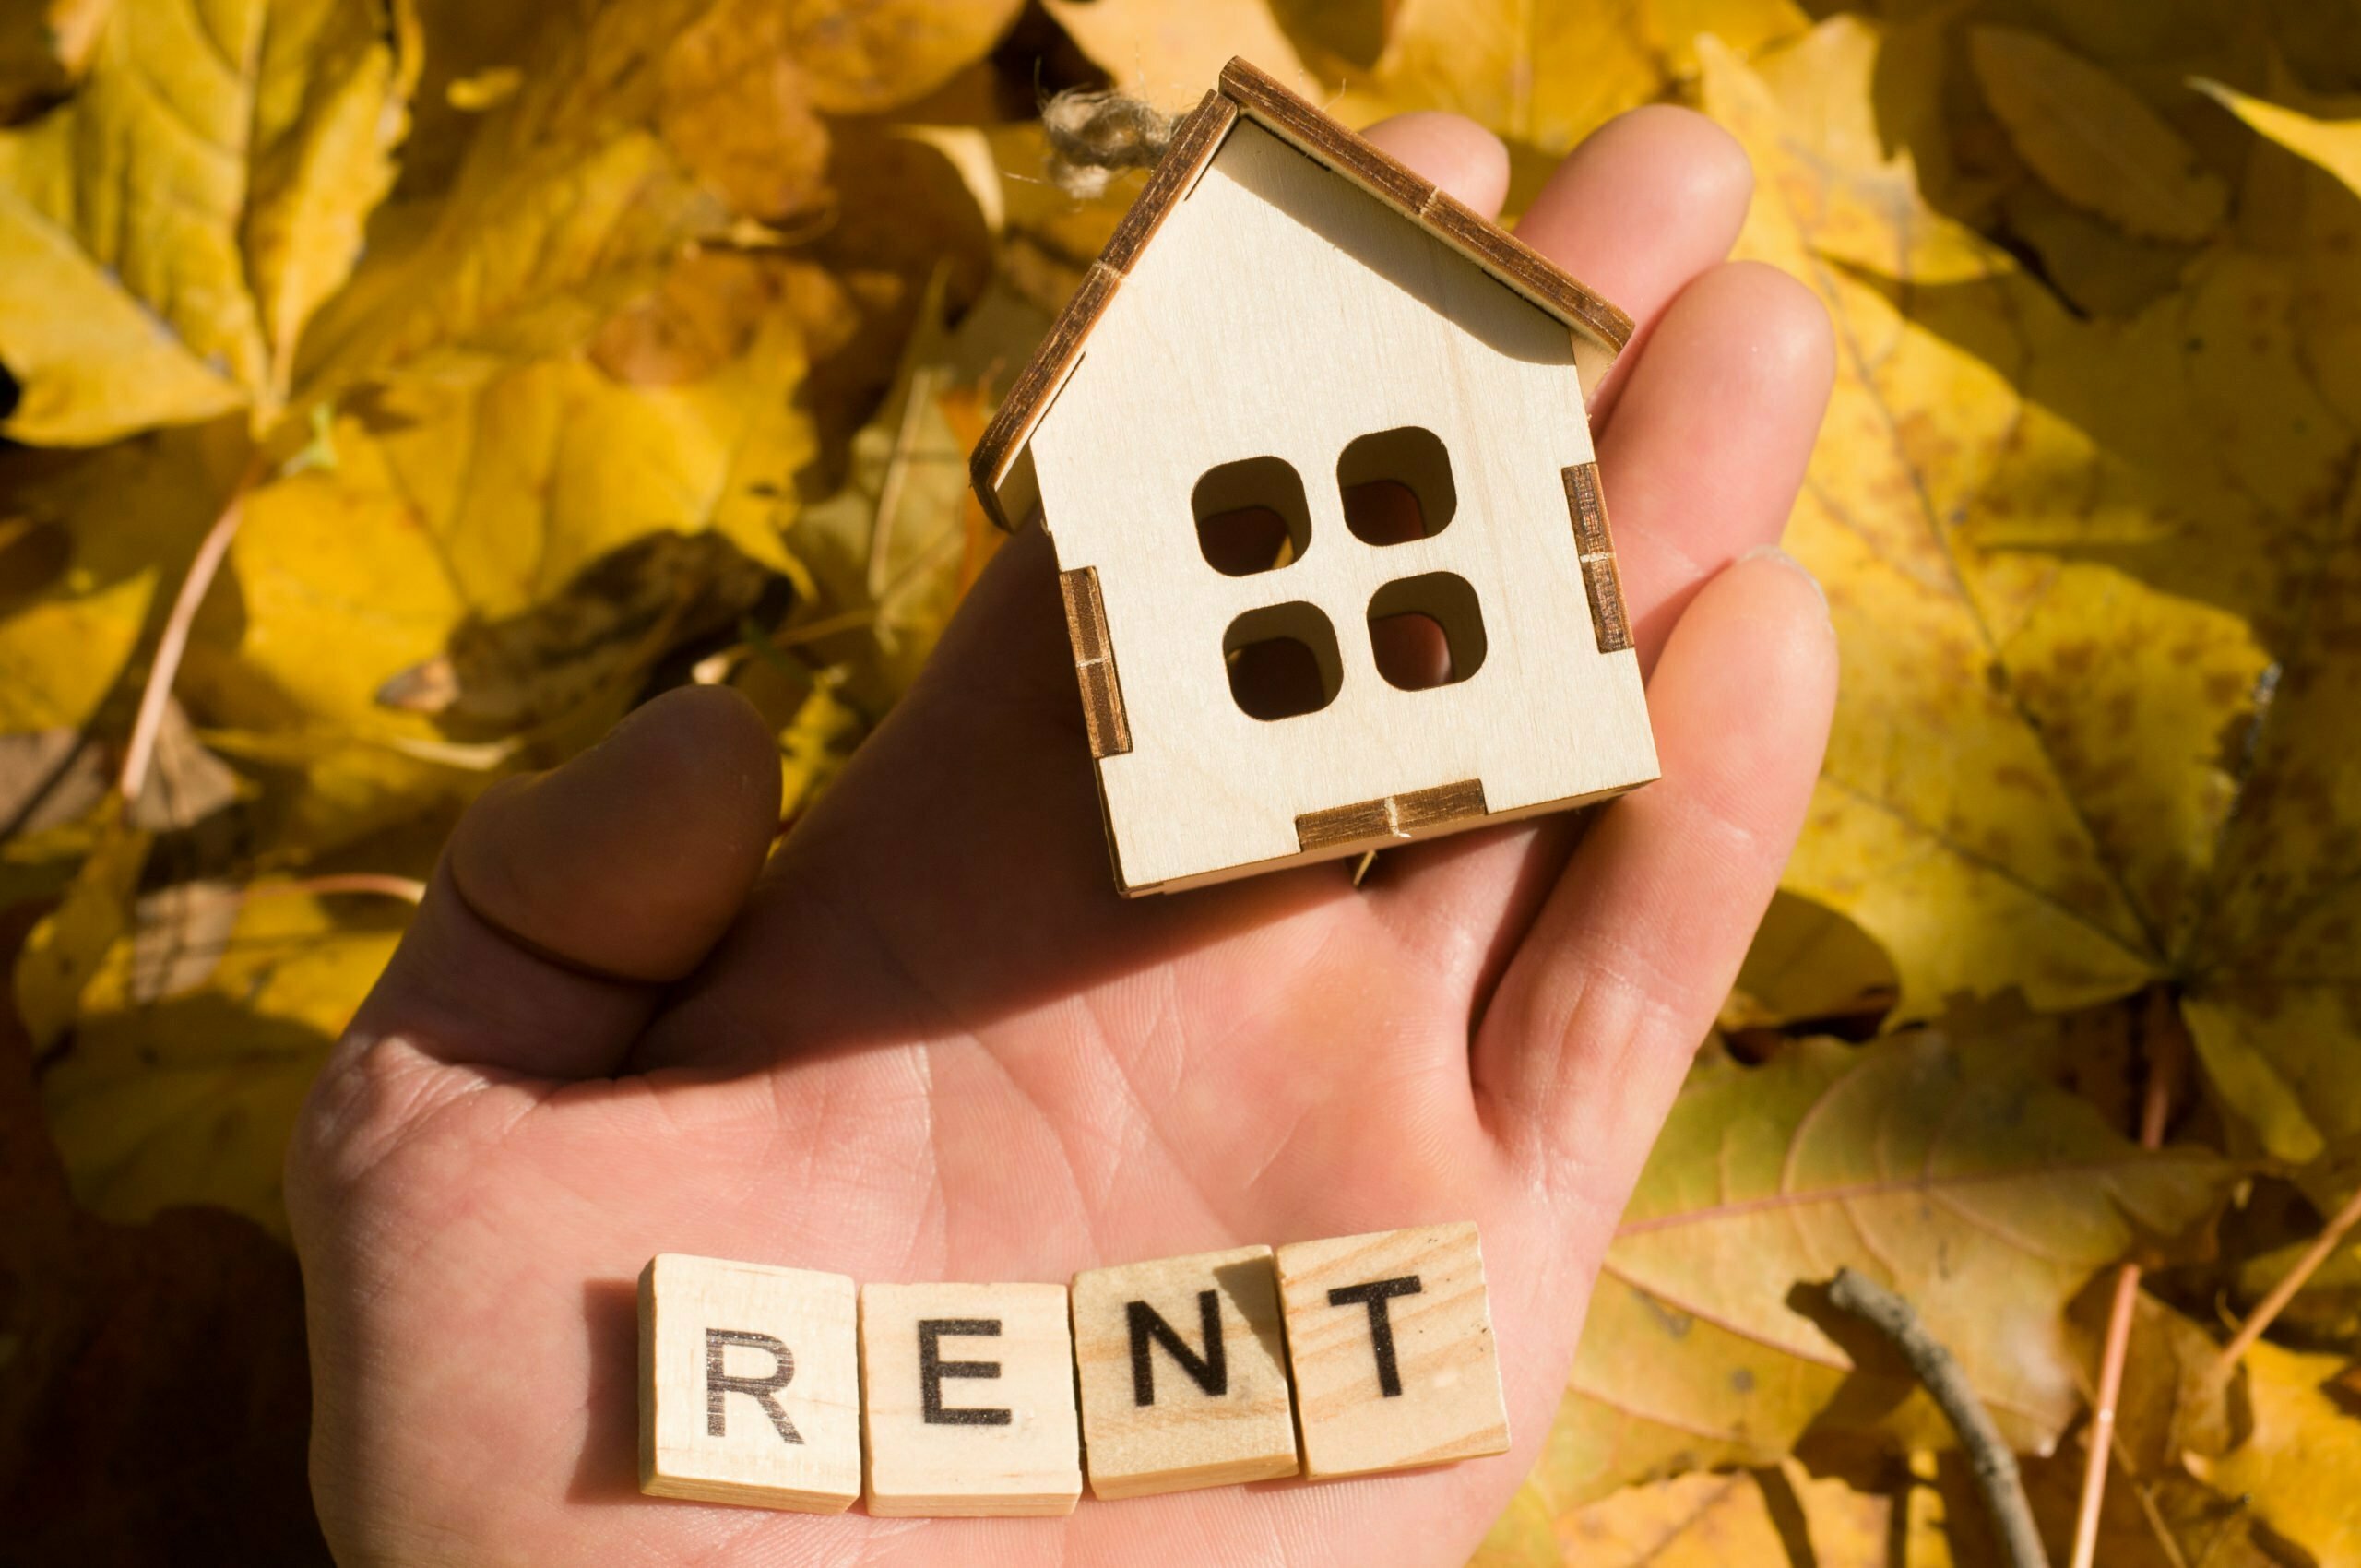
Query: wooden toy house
x=1292, y=332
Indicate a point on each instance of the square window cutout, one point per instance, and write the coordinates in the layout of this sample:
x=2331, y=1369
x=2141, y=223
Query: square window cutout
x=1283, y=662
x=1251, y=516
x=1426, y=631
x=1396, y=486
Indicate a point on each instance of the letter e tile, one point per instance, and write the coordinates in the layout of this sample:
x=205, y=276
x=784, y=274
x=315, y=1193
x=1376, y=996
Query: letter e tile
x=968, y=1400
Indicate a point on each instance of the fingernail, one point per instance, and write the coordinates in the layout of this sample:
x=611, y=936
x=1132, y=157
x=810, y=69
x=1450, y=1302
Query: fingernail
x=1772, y=553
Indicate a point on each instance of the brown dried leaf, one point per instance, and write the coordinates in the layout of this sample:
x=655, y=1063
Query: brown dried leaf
x=2094, y=140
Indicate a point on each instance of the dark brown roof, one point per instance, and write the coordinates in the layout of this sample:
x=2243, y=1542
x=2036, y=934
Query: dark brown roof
x=1249, y=91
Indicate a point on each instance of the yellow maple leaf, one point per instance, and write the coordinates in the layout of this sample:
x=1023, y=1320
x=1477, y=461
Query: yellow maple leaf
x=2296, y=1462
x=198, y=1038
x=2090, y=582
x=2334, y=145
x=1546, y=73
x=1541, y=75
x=1171, y=54
x=170, y=228
x=646, y=127
x=2232, y=1464
x=474, y=505
x=97, y=535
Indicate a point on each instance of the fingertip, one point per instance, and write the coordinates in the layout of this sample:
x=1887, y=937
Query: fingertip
x=1647, y=201
x=1451, y=150
x=1785, y=344
x=631, y=860
x=1700, y=162
x=1738, y=371
x=1775, y=593
x=1743, y=697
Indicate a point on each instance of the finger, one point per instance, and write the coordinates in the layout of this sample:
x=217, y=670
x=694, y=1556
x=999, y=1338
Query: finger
x=1711, y=440
x=1454, y=151
x=977, y=793
x=567, y=900
x=1648, y=201
x=1645, y=205
x=1603, y=1003
x=1700, y=465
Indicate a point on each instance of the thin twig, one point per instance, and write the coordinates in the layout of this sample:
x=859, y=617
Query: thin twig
x=140, y=749
x=2294, y=1280
x=1987, y=1453
x=2160, y=1038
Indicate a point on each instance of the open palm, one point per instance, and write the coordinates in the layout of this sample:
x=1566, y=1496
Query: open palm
x=926, y=1040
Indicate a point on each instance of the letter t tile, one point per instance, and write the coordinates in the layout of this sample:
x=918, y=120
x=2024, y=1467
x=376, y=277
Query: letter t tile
x=1390, y=1337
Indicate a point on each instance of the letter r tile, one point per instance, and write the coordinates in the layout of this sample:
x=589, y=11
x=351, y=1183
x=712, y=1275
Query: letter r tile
x=749, y=1385
x=968, y=1400
x=1390, y=1337
x=1182, y=1370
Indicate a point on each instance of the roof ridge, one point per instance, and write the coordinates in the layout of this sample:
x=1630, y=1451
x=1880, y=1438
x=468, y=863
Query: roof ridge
x=1246, y=90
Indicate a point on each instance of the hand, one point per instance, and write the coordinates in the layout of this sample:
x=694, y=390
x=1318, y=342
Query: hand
x=927, y=1042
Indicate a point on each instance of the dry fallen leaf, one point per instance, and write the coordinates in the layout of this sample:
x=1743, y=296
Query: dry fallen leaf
x=664, y=308
x=189, y=1060
x=1957, y=1176
x=1171, y=54
x=170, y=228
x=2296, y=1462
x=1710, y=1519
x=2334, y=145
x=1809, y=962
x=97, y=538
x=2093, y=139
x=2013, y=800
x=1546, y=73
x=2245, y=1466
x=155, y=1408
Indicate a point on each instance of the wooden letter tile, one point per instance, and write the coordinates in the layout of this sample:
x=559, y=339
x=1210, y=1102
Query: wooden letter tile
x=749, y=1385
x=1390, y=1337
x=967, y=1399
x=1182, y=1373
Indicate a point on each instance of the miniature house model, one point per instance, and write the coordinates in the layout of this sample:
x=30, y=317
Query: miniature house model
x=1293, y=329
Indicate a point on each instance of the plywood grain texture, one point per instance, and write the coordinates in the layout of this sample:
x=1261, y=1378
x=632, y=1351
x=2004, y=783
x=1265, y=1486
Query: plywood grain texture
x=1307, y=360
x=968, y=1400
x=1182, y=1373
x=750, y=1387
x=1390, y=1341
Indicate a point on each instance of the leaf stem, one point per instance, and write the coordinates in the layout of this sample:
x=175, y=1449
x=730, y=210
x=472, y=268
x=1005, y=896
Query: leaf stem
x=139, y=750
x=2292, y=1281
x=404, y=888
x=2160, y=1035
x=1995, y=1467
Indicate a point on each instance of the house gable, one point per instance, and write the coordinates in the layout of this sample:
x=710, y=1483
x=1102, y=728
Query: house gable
x=1598, y=329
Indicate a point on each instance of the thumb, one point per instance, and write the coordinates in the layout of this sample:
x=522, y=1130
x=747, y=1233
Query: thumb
x=567, y=900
